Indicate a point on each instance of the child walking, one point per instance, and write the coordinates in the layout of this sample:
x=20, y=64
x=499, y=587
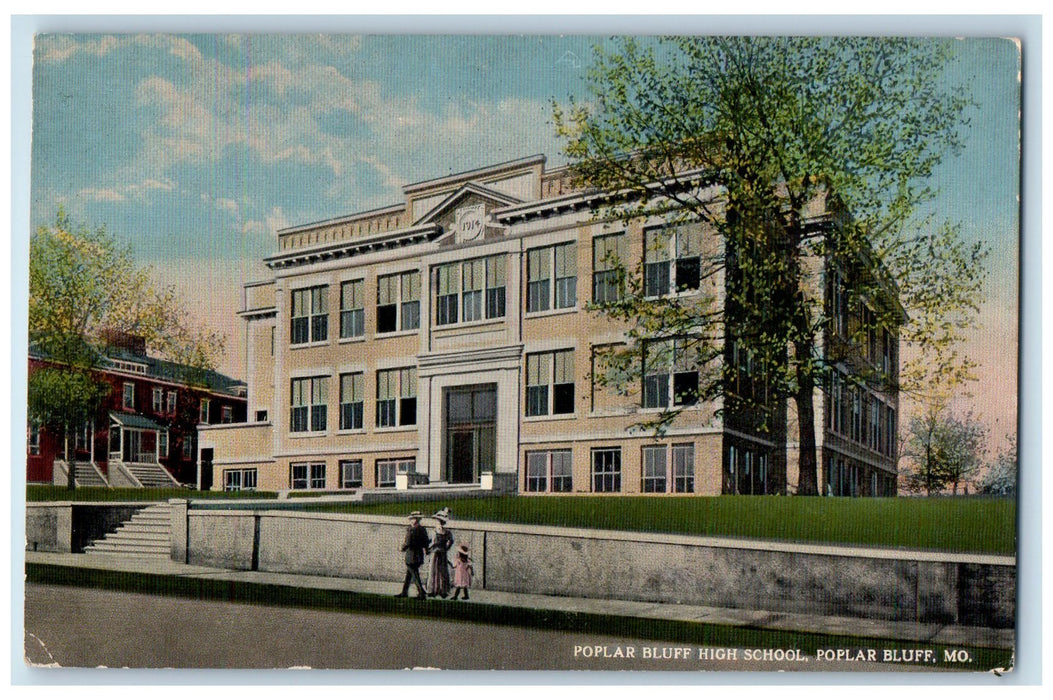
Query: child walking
x=462, y=572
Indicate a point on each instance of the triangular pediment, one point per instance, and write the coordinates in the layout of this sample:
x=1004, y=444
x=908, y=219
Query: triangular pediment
x=468, y=195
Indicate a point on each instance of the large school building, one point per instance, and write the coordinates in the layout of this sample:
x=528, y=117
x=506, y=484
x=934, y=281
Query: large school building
x=447, y=338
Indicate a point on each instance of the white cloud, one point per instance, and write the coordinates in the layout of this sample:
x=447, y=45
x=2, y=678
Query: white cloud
x=55, y=48
x=126, y=192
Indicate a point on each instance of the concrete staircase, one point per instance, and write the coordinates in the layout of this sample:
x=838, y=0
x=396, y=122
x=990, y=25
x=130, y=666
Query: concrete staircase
x=147, y=534
x=86, y=474
x=151, y=475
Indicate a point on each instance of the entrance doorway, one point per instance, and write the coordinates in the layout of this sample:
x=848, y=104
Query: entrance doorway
x=470, y=414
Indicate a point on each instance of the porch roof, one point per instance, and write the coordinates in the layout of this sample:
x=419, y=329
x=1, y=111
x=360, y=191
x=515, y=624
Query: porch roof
x=131, y=420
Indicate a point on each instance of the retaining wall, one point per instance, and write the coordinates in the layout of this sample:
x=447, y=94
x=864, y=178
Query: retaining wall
x=63, y=526
x=884, y=584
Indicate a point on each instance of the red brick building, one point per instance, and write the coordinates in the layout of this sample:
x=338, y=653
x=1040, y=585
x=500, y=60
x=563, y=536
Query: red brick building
x=148, y=420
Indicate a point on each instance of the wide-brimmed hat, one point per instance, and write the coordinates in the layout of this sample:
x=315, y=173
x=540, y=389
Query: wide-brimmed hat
x=415, y=515
x=463, y=549
x=442, y=514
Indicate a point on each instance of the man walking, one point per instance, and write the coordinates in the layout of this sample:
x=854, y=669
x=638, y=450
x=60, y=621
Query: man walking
x=415, y=545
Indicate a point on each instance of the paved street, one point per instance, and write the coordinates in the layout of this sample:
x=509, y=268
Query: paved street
x=81, y=627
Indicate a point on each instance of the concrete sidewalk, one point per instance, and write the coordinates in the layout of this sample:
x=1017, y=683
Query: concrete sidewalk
x=929, y=633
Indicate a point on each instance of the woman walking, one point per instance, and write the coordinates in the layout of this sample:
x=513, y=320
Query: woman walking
x=439, y=580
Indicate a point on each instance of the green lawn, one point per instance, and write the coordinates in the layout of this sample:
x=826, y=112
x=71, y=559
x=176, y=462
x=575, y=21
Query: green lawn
x=39, y=492
x=985, y=525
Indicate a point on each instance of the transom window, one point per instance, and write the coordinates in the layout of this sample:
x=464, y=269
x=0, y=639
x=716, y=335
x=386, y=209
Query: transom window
x=310, y=315
x=607, y=470
x=396, y=397
x=670, y=373
x=307, y=476
x=552, y=277
x=607, y=254
x=351, y=401
x=352, y=311
x=550, y=383
x=549, y=471
x=350, y=473
x=672, y=260
x=398, y=302
x=308, y=404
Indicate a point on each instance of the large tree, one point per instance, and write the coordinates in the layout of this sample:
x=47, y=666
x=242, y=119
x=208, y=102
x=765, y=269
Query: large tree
x=792, y=151
x=84, y=286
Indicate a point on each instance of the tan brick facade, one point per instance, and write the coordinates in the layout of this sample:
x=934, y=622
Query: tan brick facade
x=449, y=337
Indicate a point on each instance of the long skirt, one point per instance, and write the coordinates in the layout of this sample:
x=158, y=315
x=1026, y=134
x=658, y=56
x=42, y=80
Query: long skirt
x=439, y=580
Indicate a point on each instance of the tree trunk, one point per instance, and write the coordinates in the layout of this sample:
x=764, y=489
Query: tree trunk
x=807, y=471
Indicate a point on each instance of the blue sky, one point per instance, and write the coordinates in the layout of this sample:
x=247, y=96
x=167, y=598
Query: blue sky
x=197, y=148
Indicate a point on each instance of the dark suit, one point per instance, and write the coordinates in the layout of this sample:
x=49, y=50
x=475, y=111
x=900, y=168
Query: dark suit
x=415, y=545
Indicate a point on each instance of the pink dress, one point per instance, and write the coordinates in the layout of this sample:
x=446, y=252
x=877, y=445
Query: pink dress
x=462, y=572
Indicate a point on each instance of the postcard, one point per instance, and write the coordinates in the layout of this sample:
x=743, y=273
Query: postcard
x=531, y=353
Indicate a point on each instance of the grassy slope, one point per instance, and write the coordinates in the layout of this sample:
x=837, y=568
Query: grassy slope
x=985, y=525
x=949, y=524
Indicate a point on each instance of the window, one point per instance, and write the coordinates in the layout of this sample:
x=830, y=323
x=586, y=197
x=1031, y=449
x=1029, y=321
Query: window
x=351, y=401
x=172, y=397
x=388, y=468
x=350, y=473
x=683, y=468
x=308, y=404
x=552, y=277
x=654, y=469
x=352, y=311
x=549, y=471
x=607, y=253
x=307, y=476
x=226, y=414
x=158, y=399
x=203, y=411
x=550, y=383
x=396, y=397
x=672, y=260
x=188, y=447
x=128, y=398
x=670, y=359
x=310, y=315
x=33, y=439
x=239, y=479
x=470, y=290
x=656, y=473
x=398, y=302
x=607, y=470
